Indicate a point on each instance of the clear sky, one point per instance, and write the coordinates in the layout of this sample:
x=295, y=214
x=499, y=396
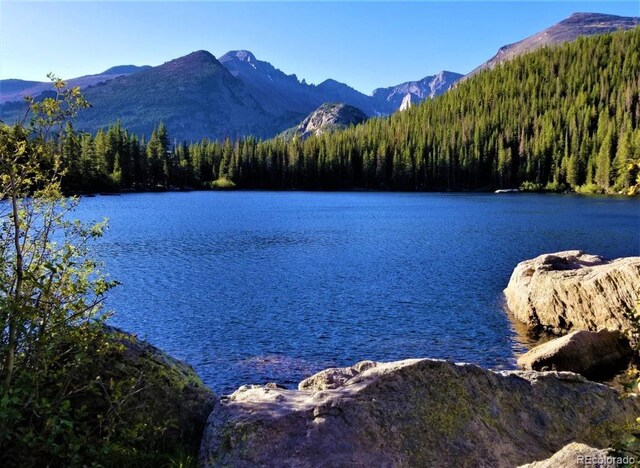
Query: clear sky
x=364, y=44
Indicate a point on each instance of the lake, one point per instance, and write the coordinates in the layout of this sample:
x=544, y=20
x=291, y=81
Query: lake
x=253, y=287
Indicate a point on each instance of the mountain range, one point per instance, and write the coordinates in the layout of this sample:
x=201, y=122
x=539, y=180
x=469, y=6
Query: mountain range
x=200, y=96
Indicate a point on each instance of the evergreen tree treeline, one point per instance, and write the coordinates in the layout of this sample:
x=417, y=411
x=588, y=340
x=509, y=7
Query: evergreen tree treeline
x=560, y=117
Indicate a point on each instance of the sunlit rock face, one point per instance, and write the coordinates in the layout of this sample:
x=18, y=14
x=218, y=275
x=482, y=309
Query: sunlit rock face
x=571, y=290
x=418, y=412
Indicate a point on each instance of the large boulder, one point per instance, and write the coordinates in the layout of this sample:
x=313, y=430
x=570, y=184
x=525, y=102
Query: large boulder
x=584, y=352
x=570, y=290
x=577, y=455
x=418, y=412
x=167, y=388
x=108, y=399
x=162, y=392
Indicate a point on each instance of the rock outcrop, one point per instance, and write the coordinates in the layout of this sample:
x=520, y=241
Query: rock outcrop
x=570, y=290
x=574, y=455
x=418, y=412
x=326, y=118
x=584, y=352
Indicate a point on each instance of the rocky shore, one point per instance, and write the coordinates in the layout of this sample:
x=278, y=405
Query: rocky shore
x=425, y=412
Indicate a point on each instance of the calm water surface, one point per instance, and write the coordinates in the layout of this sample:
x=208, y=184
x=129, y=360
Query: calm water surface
x=251, y=287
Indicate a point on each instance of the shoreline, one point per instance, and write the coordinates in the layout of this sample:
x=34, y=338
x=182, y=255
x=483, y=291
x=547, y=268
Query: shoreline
x=436, y=192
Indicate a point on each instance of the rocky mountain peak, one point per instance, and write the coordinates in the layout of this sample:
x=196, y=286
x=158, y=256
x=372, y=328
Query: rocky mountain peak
x=331, y=83
x=581, y=16
x=241, y=55
x=199, y=58
x=124, y=69
x=401, y=97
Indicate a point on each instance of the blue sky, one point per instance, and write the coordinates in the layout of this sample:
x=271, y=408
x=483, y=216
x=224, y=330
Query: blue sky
x=364, y=44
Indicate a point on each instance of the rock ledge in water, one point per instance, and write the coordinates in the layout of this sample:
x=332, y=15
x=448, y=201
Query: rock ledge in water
x=570, y=290
x=584, y=352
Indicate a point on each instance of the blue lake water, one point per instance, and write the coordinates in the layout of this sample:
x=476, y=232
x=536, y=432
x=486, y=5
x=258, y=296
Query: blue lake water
x=252, y=287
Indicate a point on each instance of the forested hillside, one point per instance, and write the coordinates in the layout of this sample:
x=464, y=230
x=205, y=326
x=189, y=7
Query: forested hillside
x=559, y=117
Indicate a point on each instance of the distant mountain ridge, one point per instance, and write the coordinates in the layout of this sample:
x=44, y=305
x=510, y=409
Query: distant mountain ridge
x=416, y=91
x=569, y=29
x=281, y=92
x=16, y=90
x=243, y=96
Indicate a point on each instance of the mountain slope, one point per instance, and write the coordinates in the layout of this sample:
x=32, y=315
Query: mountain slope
x=326, y=118
x=392, y=98
x=279, y=93
x=16, y=90
x=195, y=96
x=569, y=29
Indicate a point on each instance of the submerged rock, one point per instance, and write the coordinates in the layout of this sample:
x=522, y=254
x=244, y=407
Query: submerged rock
x=574, y=455
x=570, y=290
x=584, y=352
x=418, y=412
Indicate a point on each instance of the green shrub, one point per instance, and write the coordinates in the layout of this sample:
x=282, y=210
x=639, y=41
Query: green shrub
x=222, y=184
x=530, y=187
x=589, y=189
x=555, y=187
x=108, y=399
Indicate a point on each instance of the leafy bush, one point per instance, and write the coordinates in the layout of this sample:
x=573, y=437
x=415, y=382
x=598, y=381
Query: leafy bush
x=555, y=187
x=589, y=189
x=530, y=187
x=634, y=171
x=108, y=400
x=222, y=184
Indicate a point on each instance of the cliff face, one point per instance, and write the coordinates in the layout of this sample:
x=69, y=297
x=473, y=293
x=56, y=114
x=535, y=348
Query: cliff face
x=418, y=412
x=393, y=98
x=571, y=290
